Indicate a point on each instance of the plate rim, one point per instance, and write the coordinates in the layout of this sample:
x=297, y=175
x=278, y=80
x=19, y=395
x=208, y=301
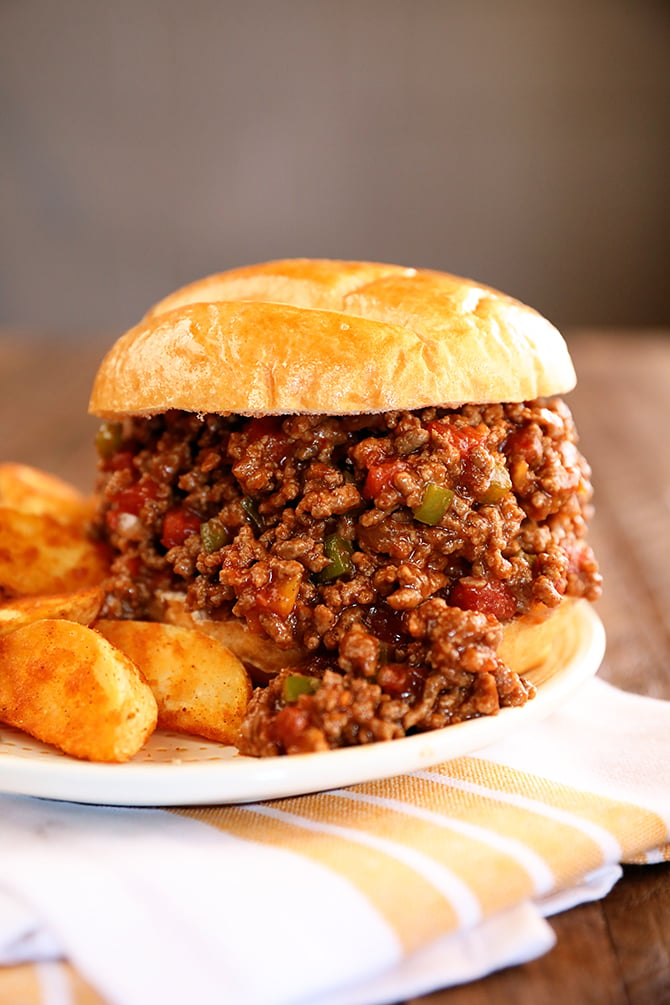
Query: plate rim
x=233, y=778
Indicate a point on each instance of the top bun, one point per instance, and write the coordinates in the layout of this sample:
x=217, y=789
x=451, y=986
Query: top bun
x=319, y=336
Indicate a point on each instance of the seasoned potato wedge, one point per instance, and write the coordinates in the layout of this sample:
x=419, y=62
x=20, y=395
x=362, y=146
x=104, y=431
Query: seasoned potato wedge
x=82, y=606
x=30, y=490
x=200, y=686
x=65, y=684
x=40, y=555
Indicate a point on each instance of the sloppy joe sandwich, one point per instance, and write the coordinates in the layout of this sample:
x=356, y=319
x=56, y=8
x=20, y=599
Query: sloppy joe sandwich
x=362, y=478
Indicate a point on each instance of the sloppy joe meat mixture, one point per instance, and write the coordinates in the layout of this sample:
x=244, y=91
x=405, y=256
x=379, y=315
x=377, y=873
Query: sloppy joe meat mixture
x=386, y=549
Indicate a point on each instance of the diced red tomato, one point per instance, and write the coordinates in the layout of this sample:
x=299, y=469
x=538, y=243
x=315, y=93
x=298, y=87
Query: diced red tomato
x=265, y=425
x=119, y=461
x=178, y=524
x=463, y=438
x=289, y=728
x=269, y=427
x=491, y=596
x=380, y=477
x=132, y=499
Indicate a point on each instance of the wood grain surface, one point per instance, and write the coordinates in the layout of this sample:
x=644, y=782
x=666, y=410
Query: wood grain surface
x=614, y=951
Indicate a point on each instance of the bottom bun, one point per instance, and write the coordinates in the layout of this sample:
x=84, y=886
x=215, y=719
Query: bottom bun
x=527, y=641
x=260, y=655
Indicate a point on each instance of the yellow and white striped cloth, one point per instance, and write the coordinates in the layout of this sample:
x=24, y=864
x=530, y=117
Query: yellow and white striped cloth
x=363, y=895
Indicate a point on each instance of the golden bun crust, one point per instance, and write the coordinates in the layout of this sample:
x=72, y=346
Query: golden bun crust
x=319, y=336
x=259, y=654
x=526, y=645
x=528, y=642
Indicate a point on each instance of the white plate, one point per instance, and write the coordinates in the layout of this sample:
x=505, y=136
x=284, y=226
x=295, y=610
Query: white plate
x=178, y=770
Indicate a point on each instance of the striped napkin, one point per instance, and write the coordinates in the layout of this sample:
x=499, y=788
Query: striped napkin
x=365, y=895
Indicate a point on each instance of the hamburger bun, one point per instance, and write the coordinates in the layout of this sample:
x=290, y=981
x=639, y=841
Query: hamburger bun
x=316, y=336
x=305, y=336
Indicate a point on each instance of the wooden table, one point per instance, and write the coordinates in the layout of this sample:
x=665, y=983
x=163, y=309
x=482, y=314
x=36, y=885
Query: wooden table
x=614, y=951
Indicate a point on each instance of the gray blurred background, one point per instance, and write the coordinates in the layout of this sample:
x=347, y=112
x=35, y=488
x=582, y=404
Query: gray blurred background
x=145, y=143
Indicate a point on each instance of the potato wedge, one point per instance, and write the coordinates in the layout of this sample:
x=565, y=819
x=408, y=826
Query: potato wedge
x=200, y=686
x=82, y=606
x=40, y=555
x=31, y=490
x=65, y=684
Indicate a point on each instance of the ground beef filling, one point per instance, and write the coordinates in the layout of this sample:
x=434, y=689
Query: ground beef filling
x=387, y=547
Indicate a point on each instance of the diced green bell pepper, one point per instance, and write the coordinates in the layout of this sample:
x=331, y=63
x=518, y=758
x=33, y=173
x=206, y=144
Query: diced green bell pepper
x=435, y=502
x=213, y=535
x=108, y=439
x=253, y=516
x=339, y=551
x=296, y=684
x=499, y=485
